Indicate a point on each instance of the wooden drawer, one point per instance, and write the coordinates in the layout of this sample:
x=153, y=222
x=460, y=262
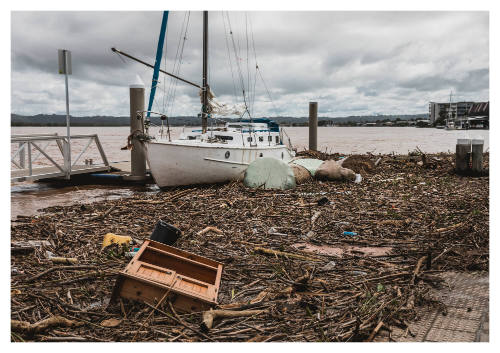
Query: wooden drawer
x=193, y=280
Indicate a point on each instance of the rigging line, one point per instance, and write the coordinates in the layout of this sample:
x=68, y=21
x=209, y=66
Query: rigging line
x=242, y=80
x=268, y=93
x=256, y=66
x=174, y=63
x=237, y=57
x=172, y=81
x=123, y=60
x=179, y=64
x=229, y=57
x=165, y=65
x=254, y=90
x=178, y=69
x=248, y=64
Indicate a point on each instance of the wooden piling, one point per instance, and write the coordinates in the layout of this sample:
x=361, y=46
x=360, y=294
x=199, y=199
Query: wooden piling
x=313, y=126
x=477, y=156
x=462, y=157
x=138, y=158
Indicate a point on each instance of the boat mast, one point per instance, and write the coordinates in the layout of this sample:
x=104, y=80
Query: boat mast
x=156, y=70
x=204, y=107
x=449, y=113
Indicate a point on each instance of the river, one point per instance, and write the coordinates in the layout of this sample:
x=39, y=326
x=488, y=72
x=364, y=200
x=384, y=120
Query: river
x=27, y=198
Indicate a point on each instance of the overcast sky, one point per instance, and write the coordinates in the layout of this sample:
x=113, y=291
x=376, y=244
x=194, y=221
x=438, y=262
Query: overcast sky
x=351, y=63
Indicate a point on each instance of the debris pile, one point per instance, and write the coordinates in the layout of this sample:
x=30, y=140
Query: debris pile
x=325, y=261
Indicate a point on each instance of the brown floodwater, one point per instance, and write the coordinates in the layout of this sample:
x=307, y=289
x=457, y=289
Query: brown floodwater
x=27, y=198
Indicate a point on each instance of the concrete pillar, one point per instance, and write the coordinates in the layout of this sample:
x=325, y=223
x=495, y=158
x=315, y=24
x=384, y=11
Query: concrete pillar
x=138, y=158
x=462, y=156
x=313, y=126
x=477, y=156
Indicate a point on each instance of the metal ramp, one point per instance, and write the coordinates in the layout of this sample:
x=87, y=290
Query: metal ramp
x=45, y=156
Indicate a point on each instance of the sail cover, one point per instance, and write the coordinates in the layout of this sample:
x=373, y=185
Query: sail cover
x=219, y=108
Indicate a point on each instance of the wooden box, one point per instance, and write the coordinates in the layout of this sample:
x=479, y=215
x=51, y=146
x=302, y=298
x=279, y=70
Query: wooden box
x=193, y=280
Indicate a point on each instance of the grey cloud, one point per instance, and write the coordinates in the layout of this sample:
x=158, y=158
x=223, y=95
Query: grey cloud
x=351, y=62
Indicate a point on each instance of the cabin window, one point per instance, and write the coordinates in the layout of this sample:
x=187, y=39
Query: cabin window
x=261, y=138
x=277, y=139
x=224, y=138
x=270, y=138
x=191, y=137
x=282, y=155
x=227, y=154
x=249, y=139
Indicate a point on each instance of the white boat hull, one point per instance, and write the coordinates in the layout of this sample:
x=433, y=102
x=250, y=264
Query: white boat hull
x=174, y=164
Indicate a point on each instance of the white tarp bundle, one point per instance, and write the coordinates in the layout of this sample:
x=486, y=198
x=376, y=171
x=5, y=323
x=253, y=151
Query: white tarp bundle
x=223, y=109
x=269, y=173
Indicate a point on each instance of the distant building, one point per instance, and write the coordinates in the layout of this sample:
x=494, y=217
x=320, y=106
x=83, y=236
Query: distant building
x=436, y=110
x=480, y=109
x=454, y=111
x=478, y=117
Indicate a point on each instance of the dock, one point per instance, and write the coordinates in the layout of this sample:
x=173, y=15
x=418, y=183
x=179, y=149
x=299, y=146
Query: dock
x=53, y=172
x=57, y=163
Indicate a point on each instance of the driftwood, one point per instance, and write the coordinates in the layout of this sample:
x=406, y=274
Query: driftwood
x=40, y=326
x=447, y=229
x=60, y=268
x=283, y=254
x=375, y=330
x=63, y=260
x=345, y=302
x=210, y=229
x=22, y=247
x=157, y=306
x=211, y=315
x=105, y=214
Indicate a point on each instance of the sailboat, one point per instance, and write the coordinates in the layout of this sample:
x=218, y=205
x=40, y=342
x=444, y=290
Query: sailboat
x=450, y=124
x=211, y=154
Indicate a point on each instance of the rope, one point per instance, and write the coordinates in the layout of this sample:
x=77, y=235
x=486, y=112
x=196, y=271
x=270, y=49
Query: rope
x=267, y=90
x=256, y=67
x=248, y=63
x=229, y=58
x=172, y=90
x=242, y=80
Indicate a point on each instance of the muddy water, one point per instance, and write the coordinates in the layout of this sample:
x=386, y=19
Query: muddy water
x=27, y=198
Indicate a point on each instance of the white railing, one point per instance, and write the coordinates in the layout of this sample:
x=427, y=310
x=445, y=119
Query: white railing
x=22, y=159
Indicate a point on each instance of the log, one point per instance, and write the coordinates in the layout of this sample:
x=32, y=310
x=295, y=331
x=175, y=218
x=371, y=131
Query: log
x=61, y=268
x=283, y=254
x=105, y=214
x=446, y=229
x=63, y=260
x=209, y=229
x=375, y=330
x=417, y=269
x=40, y=326
x=211, y=315
x=23, y=247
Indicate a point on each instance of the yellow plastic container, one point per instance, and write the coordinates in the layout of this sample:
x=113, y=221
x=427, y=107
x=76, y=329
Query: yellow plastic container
x=111, y=238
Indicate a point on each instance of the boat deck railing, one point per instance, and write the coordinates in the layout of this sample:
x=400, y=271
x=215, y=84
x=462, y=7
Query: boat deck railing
x=285, y=139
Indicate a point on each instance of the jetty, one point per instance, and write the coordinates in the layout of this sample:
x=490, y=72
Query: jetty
x=31, y=147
